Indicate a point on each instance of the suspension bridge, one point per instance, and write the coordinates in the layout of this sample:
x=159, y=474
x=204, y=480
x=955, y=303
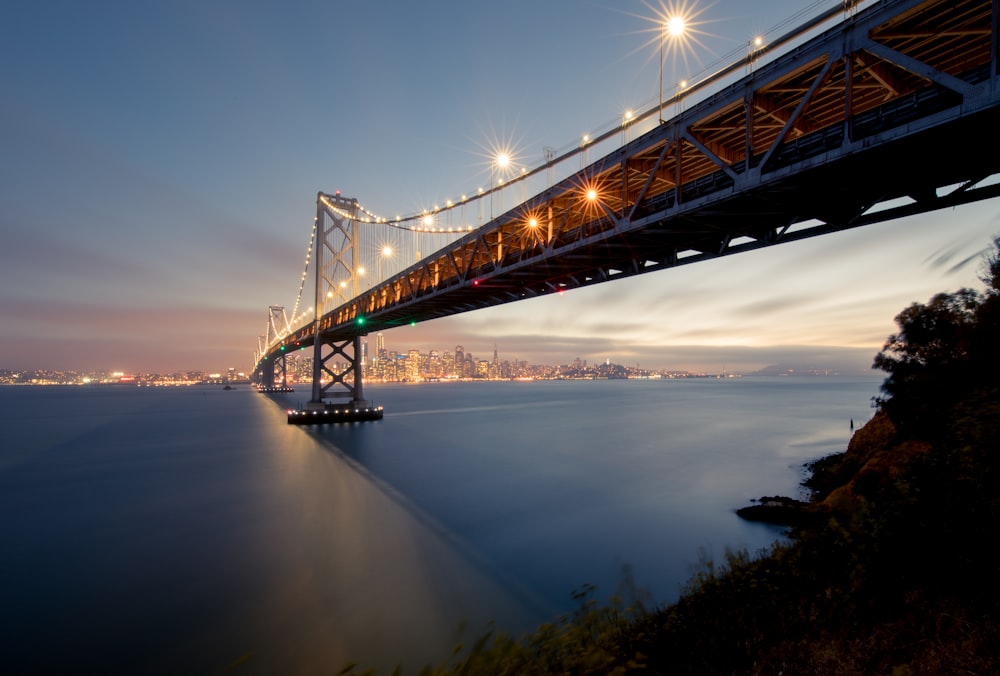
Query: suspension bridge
x=857, y=116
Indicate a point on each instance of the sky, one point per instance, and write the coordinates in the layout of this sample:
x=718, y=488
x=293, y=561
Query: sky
x=159, y=164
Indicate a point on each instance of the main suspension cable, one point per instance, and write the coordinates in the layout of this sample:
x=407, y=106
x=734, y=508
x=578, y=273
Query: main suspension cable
x=305, y=274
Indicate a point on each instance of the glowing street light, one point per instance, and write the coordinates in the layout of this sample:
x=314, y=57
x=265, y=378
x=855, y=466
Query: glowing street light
x=627, y=117
x=385, y=255
x=674, y=27
x=752, y=51
x=501, y=162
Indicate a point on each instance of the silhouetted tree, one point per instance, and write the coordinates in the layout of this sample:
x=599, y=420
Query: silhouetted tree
x=944, y=351
x=928, y=361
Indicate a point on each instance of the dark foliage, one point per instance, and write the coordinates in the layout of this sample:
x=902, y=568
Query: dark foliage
x=945, y=352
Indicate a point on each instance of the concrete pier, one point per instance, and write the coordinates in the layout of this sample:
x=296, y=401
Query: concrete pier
x=354, y=411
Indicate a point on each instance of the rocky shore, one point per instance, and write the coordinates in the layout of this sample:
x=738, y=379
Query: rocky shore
x=837, y=481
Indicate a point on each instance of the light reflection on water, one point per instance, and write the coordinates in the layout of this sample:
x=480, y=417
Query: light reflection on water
x=160, y=531
x=181, y=531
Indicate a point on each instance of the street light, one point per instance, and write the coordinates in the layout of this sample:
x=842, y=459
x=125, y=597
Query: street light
x=752, y=51
x=674, y=26
x=501, y=161
x=386, y=253
x=626, y=121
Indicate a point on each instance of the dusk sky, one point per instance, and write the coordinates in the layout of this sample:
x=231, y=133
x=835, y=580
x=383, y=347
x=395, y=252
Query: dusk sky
x=160, y=164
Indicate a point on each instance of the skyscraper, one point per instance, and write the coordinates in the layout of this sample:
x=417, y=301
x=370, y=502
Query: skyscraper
x=413, y=365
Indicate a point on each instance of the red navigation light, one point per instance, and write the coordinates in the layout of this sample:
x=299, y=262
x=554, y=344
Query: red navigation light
x=475, y=282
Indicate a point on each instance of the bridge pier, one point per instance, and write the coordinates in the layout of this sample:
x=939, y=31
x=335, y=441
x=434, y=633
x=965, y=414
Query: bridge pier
x=273, y=375
x=344, y=383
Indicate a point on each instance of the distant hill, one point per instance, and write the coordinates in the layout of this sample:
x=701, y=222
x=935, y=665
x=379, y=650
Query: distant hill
x=796, y=370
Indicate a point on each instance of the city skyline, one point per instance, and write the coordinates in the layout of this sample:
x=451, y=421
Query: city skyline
x=403, y=365
x=161, y=166
x=375, y=347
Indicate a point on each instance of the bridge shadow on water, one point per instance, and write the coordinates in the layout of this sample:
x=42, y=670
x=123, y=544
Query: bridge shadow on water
x=359, y=445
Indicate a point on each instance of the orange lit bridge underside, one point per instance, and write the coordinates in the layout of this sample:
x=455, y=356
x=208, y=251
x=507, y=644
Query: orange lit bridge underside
x=900, y=100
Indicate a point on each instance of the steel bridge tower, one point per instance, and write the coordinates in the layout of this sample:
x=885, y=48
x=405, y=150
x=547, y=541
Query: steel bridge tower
x=274, y=375
x=337, y=362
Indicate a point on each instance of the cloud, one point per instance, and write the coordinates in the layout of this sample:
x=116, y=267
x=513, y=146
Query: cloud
x=968, y=250
x=70, y=353
x=70, y=260
x=45, y=333
x=771, y=306
x=544, y=348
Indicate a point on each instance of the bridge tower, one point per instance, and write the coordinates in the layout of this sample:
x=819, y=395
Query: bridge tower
x=274, y=372
x=338, y=360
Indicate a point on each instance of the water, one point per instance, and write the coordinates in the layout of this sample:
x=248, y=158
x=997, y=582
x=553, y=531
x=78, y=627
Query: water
x=192, y=530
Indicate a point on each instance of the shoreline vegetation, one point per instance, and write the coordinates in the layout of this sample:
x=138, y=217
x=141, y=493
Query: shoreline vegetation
x=888, y=568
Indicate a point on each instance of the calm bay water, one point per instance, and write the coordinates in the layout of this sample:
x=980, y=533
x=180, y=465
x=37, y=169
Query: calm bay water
x=191, y=530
